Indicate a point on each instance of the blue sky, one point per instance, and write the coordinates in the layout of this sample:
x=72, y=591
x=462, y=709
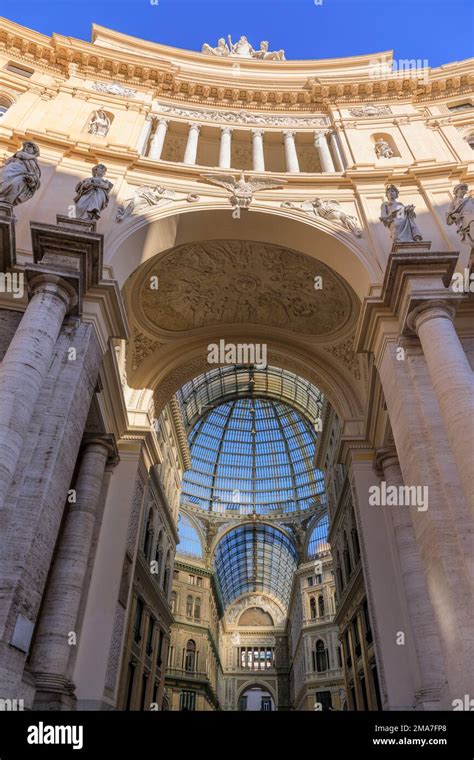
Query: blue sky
x=439, y=31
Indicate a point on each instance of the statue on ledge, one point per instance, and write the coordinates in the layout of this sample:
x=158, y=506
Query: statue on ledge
x=461, y=213
x=243, y=49
x=329, y=210
x=399, y=219
x=222, y=48
x=20, y=175
x=92, y=194
x=242, y=189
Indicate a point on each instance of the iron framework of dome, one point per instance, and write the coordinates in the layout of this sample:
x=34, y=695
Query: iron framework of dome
x=253, y=455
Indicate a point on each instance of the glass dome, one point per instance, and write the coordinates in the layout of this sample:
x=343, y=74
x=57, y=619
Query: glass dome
x=253, y=455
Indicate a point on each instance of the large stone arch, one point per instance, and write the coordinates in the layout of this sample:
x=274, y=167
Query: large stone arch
x=157, y=230
x=166, y=364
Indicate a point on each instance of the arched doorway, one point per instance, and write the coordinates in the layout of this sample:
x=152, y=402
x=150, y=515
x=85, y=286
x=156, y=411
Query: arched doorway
x=256, y=698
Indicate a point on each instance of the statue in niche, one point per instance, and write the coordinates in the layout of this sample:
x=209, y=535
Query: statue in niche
x=222, y=48
x=99, y=124
x=383, y=149
x=92, y=194
x=329, y=210
x=20, y=175
x=461, y=213
x=242, y=190
x=399, y=219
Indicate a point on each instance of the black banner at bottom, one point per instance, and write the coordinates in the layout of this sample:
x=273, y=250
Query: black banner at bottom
x=90, y=734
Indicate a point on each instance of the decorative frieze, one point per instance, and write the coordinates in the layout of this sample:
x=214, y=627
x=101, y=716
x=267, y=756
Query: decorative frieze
x=245, y=117
x=114, y=88
x=369, y=110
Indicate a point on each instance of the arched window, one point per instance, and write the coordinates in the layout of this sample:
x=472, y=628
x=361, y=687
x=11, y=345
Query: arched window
x=470, y=140
x=321, y=610
x=339, y=578
x=173, y=603
x=159, y=555
x=189, y=607
x=355, y=543
x=167, y=575
x=190, y=656
x=347, y=558
x=312, y=608
x=5, y=104
x=321, y=657
x=197, y=609
x=148, y=540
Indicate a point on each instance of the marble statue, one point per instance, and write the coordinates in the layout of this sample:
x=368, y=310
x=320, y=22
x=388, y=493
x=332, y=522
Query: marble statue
x=99, y=124
x=243, y=49
x=92, y=194
x=329, y=210
x=222, y=48
x=461, y=213
x=242, y=190
x=399, y=219
x=269, y=55
x=146, y=196
x=383, y=149
x=20, y=175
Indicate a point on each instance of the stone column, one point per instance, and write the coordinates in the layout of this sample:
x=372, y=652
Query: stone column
x=144, y=135
x=158, y=139
x=258, y=158
x=321, y=143
x=452, y=380
x=225, y=148
x=25, y=365
x=58, y=620
x=192, y=145
x=291, y=156
x=336, y=150
x=429, y=675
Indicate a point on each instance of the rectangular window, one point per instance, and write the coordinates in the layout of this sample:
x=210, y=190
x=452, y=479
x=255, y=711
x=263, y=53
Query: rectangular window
x=199, y=582
x=138, y=621
x=149, y=638
x=310, y=580
x=187, y=700
x=130, y=680
x=144, y=689
x=15, y=68
x=159, y=650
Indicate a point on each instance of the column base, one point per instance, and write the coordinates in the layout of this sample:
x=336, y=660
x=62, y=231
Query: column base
x=54, y=692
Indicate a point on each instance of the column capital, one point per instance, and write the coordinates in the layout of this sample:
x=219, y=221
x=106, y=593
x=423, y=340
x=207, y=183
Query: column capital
x=226, y=130
x=385, y=457
x=288, y=133
x=433, y=309
x=107, y=441
x=46, y=280
x=7, y=237
x=194, y=125
x=161, y=120
x=257, y=132
x=320, y=134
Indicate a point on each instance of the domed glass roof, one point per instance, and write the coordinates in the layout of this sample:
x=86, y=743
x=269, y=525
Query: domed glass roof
x=253, y=455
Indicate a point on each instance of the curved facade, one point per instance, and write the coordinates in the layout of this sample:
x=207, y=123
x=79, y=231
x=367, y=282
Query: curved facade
x=195, y=247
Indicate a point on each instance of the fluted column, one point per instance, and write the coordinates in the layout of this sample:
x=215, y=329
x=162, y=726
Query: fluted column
x=225, y=148
x=291, y=156
x=452, y=380
x=192, y=144
x=144, y=135
x=321, y=143
x=158, y=139
x=59, y=614
x=422, y=623
x=258, y=158
x=25, y=364
x=336, y=151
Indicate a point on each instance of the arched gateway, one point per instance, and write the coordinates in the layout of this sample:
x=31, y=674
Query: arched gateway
x=245, y=404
